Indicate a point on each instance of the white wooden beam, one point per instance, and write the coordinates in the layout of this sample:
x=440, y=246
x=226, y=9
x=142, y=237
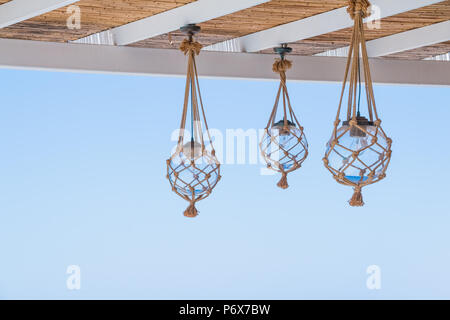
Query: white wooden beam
x=19, y=10
x=313, y=26
x=171, y=20
x=168, y=62
x=404, y=41
x=440, y=57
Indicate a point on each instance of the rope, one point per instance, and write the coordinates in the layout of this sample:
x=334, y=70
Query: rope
x=280, y=66
x=190, y=46
x=200, y=175
x=358, y=8
x=191, y=211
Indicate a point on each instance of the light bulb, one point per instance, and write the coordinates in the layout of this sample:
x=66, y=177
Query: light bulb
x=192, y=150
x=357, y=143
x=286, y=139
x=283, y=139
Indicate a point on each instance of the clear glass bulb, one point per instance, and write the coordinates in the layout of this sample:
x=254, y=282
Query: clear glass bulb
x=192, y=150
x=284, y=140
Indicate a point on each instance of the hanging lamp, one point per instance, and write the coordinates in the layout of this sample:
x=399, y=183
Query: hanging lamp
x=193, y=169
x=359, y=151
x=284, y=146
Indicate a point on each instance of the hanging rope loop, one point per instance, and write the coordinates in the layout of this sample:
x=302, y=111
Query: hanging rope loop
x=358, y=8
x=188, y=45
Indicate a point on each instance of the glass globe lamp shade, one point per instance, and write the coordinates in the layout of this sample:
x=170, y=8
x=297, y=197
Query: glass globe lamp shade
x=192, y=172
x=359, y=152
x=284, y=147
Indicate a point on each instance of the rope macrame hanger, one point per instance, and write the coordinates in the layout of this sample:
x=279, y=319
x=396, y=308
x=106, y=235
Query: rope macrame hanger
x=357, y=124
x=285, y=125
x=190, y=48
x=195, y=148
x=280, y=66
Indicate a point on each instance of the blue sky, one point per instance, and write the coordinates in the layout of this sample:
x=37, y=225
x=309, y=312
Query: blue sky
x=83, y=183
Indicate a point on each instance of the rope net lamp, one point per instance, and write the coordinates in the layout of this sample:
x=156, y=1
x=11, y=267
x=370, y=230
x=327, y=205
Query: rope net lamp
x=359, y=151
x=193, y=170
x=283, y=146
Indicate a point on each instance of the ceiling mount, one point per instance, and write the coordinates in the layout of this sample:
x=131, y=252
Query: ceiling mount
x=283, y=50
x=190, y=29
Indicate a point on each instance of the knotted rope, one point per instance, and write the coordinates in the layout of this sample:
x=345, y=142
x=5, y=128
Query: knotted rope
x=280, y=66
x=357, y=199
x=188, y=45
x=358, y=7
x=358, y=10
x=191, y=211
x=200, y=176
x=283, y=184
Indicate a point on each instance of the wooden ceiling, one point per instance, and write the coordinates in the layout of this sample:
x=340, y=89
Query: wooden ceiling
x=422, y=53
x=391, y=25
x=241, y=23
x=100, y=15
x=96, y=16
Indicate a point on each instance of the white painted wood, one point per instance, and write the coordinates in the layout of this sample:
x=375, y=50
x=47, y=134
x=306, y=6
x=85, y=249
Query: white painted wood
x=20, y=10
x=441, y=57
x=313, y=26
x=171, y=20
x=162, y=62
x=408, y=40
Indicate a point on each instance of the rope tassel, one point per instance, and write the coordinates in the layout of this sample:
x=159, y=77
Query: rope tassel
x=283, y=184
x=191, y=211
x=357, y=198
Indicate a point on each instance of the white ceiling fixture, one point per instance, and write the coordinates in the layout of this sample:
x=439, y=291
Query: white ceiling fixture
x=20, y=10
x=25, y=54
x=313, y=26
x=171, y=20
x=408, y=40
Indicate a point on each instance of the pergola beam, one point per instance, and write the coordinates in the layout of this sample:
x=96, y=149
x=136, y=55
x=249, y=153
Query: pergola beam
x=313, y=26
x=168, y=62
x=171, y=20
x=404, y=41
x=20, y=10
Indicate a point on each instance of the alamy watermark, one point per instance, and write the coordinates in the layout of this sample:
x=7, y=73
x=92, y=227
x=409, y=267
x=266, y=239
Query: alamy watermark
x=373, y=281
x=74, y=19
x=374, y=20
x=233, y=146
x=73, y=281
